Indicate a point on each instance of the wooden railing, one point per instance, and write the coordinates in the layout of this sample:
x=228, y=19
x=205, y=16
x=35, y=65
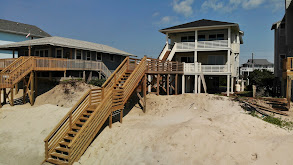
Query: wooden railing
x=155, y=65
x=56, y=64
x=51, y=141
x=111, y=81
x=134, y=79
x=91, y=127
x=6, y=62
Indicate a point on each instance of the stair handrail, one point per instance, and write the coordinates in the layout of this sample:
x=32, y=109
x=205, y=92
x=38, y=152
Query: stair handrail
x=106, y=70
x=89, y=125
x=140, y=67
x=13, y=63
x=62, y=123
x=114, y=73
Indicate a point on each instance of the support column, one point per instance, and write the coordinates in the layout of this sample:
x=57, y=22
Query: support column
x=121, y=115
x=100, y=75
x=110, y=120
x=32, y=89
x=195, y=56
x=16, y=88
x=11, y=97
x=4, y=95
x=195, y=84
x=168, y=84
x=144, y=92
x=232, y=84
x=183, y=84
x=83, y=75
x=199, y=84
x=228, y=62
x=0, y=98
x=228, y=85
x=64, y=74
x=150, y=86
x=158, y=84
x=176, y=84
x=36, y=85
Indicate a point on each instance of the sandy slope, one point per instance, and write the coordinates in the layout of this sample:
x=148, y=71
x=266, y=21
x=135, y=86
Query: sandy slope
x=22, y=132
x=191, y=129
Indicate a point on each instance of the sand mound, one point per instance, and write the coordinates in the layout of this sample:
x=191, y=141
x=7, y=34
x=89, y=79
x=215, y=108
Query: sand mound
x=23, y=129
x=190, y=129
x=64, y=94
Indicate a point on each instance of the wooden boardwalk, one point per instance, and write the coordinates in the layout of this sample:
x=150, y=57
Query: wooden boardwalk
x=74, y=133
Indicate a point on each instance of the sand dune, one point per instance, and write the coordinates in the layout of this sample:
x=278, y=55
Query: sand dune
x=184, y=129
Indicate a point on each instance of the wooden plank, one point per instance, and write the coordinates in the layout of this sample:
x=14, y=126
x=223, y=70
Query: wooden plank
x=158, y=87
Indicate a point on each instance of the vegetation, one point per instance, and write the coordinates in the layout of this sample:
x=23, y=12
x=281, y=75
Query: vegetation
x=264, y=81
x=97, y=82
x=273, y=120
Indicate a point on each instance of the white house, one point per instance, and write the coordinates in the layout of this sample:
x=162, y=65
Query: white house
x=256, y=64
x=207, y=47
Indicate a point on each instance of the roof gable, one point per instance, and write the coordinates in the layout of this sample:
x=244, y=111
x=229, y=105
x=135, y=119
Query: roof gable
x=199, y=23
x=21, y=28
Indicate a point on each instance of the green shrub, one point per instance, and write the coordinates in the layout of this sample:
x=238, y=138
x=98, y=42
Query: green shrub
x=97, y=82
x=273, y=120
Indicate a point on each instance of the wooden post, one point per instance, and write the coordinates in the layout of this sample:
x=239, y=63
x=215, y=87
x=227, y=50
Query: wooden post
x=168, y=84
x=158, y=81
x=29, y=51
x=36, y=85
x=46, y=150
x=121, y=115
x=253, y=91
x=144, y=93
x=288, y=92
x=4, y=95
x=24, y=89
x=16, y=88
x=83, y=76
x=183, y=84
x=11, y=97
x=176, y=84
x=110, y=120
x=32, y=88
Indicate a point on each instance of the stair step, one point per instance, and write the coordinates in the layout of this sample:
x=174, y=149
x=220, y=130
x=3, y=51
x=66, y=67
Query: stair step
x=62, y=149
x=83, y=118
x=64, y=143
x=87, y=114
x=75, y=127
x=56, y=161
x=68, y=138
x=59, y=155
x=79, y=122
x=72, y=132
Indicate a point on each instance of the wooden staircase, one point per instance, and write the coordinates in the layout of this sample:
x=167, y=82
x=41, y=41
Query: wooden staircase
x=74, y=133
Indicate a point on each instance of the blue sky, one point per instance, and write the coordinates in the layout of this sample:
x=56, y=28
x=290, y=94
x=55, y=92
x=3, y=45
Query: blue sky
x=132, y=25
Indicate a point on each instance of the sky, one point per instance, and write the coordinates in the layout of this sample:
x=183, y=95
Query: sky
x=132, y=25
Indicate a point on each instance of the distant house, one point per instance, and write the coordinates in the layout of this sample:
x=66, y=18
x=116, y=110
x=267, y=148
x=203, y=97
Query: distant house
x=256, y=64
x=207, y=47
x=284, y=48
x=15, y=32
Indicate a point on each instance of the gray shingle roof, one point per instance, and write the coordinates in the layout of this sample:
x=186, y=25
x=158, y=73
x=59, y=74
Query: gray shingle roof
x=258, y=62
x=21, y=28
x=199, y=23
x=68, y=43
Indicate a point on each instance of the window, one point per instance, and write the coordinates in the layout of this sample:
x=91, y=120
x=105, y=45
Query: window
x=42, y=53
x=88, y=55
x=78, y=54
x=201, y=37
x=188, y=39
x=187, y=59
x=184, y=39
x=216, y=60
x=212, y=37
x=99, y=56
x=111, y=57
x=59, y=53
x=220, y=36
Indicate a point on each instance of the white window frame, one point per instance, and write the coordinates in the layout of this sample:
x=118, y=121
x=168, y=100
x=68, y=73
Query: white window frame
x=61, y=52
x=86, y=57
x=43, y=50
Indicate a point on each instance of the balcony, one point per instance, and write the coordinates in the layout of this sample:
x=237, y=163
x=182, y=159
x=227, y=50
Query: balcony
x=213, y=44
x=198, y=67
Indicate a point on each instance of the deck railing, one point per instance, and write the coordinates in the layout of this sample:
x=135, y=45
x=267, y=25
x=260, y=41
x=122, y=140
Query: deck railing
x=198, y=67
x=185, y=45
x=156, y=65
x=5, y=62
x=213, y=44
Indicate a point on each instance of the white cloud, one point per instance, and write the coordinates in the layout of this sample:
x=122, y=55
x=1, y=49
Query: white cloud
x=250, y=4
x=167, y=20
x=156, y=14
x=231, y=5
x=183, y=7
